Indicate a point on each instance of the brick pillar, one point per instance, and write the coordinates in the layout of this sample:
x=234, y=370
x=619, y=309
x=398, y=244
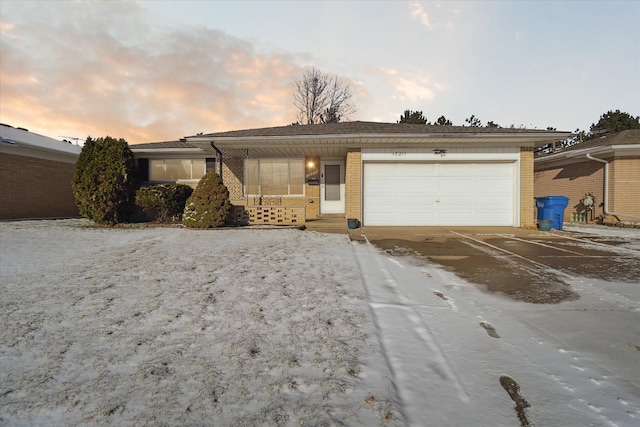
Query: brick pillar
x=353, y=184
x=527, y=205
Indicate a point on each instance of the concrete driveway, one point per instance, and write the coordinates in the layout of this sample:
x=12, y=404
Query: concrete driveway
x=527, y=265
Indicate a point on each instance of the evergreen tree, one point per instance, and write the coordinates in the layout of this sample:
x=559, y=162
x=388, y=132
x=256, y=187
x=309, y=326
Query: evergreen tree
x=413, y=117
x=105, y=180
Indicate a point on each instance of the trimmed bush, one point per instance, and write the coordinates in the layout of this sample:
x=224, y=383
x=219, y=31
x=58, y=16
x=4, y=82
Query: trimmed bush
x=105, y=180
x=163, y=202
x=209, y=205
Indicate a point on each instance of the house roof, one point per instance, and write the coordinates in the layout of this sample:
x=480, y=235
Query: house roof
x=20, y=137
x=334, y=139
x=163, y=145
x=625, y=137
x=174, y=148
x=363, y=128
x=21, y=142
x=626, y=142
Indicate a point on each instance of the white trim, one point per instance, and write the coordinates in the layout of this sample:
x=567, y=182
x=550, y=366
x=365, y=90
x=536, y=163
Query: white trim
x=332, y=207
x=360, y=139
x=576, y=156
x=38, y=153
x=449, y=154
x=168, y=150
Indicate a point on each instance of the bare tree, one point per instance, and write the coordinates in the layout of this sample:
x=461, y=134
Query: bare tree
x=321, y=98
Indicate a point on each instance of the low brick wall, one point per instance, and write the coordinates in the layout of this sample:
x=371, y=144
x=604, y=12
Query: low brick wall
x=268, y=215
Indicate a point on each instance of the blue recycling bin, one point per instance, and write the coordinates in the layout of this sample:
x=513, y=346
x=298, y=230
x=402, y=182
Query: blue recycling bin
x=552, y=208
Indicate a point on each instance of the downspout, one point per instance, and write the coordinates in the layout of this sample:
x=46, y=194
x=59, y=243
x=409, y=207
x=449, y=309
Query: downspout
x=219, y=154
x=606, y=189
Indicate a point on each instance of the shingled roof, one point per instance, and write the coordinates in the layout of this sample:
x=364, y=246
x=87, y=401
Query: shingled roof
x=625, y=137
x=361, y=128
x=164, y=144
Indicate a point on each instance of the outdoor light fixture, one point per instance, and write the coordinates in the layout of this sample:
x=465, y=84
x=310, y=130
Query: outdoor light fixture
x=310, y=165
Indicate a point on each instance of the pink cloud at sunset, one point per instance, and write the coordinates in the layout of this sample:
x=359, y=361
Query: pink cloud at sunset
x=89, y=69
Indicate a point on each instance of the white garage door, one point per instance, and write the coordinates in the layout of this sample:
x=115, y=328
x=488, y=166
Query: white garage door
x=405, y=194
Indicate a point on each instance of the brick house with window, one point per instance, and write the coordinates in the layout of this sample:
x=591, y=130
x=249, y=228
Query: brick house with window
x=383, y=174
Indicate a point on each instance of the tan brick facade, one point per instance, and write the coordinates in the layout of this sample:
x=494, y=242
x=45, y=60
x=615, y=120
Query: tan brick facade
x=624, y=186
x=527, y=205
x=575, y=180
x=353, y=184
x=35, y=188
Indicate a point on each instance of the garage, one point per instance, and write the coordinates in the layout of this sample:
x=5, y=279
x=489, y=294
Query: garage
x=438, y=193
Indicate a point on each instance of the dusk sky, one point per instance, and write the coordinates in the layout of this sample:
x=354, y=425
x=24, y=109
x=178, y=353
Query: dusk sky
x=159, y=70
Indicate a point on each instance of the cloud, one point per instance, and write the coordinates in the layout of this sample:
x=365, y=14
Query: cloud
x=418, y=12
x=410, y=86
x=98, y=68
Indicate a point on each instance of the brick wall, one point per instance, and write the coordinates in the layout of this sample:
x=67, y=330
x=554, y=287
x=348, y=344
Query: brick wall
x=312, y=192
x=35, y=188
x=573, y=181
x=353, y=184
x=527, y=218
x=233, y=172
x=624, y=190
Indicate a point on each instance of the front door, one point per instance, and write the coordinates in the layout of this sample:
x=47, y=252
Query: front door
x=332, y=187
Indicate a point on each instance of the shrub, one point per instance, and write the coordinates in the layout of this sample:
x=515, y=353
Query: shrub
x=163, y=202
x=209, y=204
x=105, y=180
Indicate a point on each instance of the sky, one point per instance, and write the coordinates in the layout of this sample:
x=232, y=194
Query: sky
x=150, y=71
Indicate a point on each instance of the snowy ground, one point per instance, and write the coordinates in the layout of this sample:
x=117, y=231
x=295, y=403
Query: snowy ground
x=165, y=326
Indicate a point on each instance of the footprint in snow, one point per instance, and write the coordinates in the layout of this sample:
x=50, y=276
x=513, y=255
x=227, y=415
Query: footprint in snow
x=512, y=387
x=441, y=295
x=490, y=329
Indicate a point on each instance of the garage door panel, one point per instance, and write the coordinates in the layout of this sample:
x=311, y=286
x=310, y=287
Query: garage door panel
x=493, y=169
x=456, y=185
x=438, y=194
x=494, y=202
x=416, y=185
x=409, y=202
x=489, y=185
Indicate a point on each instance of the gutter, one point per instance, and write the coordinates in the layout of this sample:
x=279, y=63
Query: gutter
x=420, y=137
x=220, y=154
x=606, y=189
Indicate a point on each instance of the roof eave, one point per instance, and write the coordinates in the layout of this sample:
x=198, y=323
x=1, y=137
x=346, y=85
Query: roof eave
x=626, y=149
x=364, y=139
x=165, y=150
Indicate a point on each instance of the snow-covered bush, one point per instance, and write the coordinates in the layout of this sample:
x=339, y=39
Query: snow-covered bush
x=163, y=202
x=105, y=180
x=209, y=205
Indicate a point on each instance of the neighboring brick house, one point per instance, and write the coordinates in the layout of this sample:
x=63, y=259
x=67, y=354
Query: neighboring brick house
x=383, y=174
x=605, y=169
x=36, y=174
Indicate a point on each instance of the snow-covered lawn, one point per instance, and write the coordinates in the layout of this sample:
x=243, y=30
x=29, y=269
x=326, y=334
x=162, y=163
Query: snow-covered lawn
x=166, y=326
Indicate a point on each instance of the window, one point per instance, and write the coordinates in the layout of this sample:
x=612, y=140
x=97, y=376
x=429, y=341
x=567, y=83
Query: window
x=177, y=169
x=274, y=177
